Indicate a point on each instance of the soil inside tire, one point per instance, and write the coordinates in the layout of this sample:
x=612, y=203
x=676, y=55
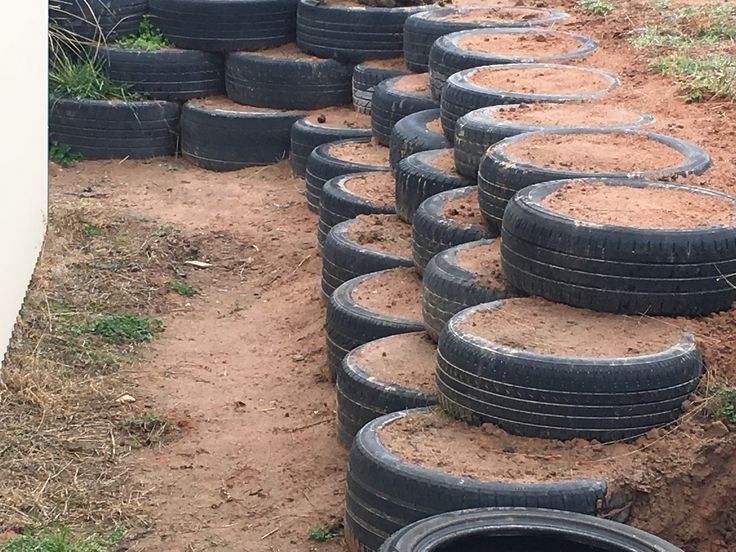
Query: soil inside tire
x=396, y=292
x=339, y=117
x=464, y=210
x=377, y=187
x=363, y=153
x=393, y=63
x=384, y=233
x=223, y=103
x=444, y=163
x=417, y=84
x=530, y=44
x=435, y=126
x=287, y=51
x=565, y=115
x=492, y=15
x=539, y=80
x=484, y=261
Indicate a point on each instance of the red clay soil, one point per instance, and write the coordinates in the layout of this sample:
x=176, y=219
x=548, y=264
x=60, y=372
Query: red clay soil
x=405, y=359
x=640, y=207
x=463, y=210
x=379, y=188
x=517, y=45
x=488, y=15
x=444, y=163
x=393, y=63
x=435, y=125
x=223, y=103
x=612, y=152
x=483, y=260
x=539, y=80
x=287, y=51
x=396, y=292
x=565, y=115
x=364, y=153
x=339, y=117
x=383, y=233
x=417, y=85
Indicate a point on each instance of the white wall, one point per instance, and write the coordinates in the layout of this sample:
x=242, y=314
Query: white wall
x=23, y=151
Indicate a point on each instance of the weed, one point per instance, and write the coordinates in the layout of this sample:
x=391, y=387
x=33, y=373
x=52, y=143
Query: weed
x=62, y=154
x=146, y=430
x=700, y=79
x=725, y=409
x=324, y=534
x=92, y=230
x=597, y=7
x=62, y=540
x=121, y=329
x=85, y=80
x=149, y=38
x=181, y=288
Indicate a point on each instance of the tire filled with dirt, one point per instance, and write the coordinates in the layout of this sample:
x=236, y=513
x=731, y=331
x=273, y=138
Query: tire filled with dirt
x=166, y=74
x=103, y=20
x=368, y=74
x=422, y=29
x=421, y=131
x=321, y=127
x=345, y=197
x=225, y=25
x=422, y=175
x=446, y=220
x=338, y=158
x=396, y=98
x=516, y=83
x=386, y=375
x=213, y=131
x=287, y=78
x=478, y=47
x=369, y=307
x=113, y=129
x=367, y=243
x=480, y=129
x=663, y=251
x=520, y=161
x=460, y=277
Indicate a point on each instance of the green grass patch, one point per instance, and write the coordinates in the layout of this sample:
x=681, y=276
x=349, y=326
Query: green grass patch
x=597, y=7
x=62, y=154
x=62, y=540
x=148, y=39
x=85, y=80
x=181, y=288
x=725, y=408
x=324, y=534
x=700, y=79
x=93, y=230
x=122, y=329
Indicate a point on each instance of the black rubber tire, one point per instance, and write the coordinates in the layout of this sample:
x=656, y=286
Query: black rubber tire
x=343, y=259
x=447, y=58
x=460, y=96
x=305, y=82
x=417, y=179
x=212, y=138
x=526, y=528
x=561, y=397
x=362, y=397
x=349, y=325
x=500, y=177
x=618, y=269
x=448, y=288
x=391, y=105
x=322, y=166
x=432, y=232
x=411, y=135
x=305, y=136
x=99, y=20
x=351, y=34
x=166, y=74
x=386, y=493
x=226, y=25
x=479, y=130
x=421, y=30
x=365, y=78
x=102, y=129
x=337, y=204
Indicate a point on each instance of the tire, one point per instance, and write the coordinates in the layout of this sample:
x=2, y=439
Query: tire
x=421, y=30
x=350, y=325
x=166, y=74
x=212, y=135
x=500, y=177
x=226, y=25
x=615, y=268
x=344, y=259
x=366, y=76
x=412, y=135
x=99, y=20
x=417, y=179
x=447, y=57
x=448, y=287
x=461, y=96
x=307, y=133
x=523, y=527
x=561, y=397
x=432, y=232
x=390, y=105
x=353, y=33
x=480, y=129
x=322, y=166
x=339, y=204
x=102, y=129
x=280, y=81
x=385, y=494
x=362, y=396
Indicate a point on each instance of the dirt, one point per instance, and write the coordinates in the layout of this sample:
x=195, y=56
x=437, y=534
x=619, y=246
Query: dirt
x=384, y=233
x=379, y=188
x=417, y=84
x=520, y=45
x=287, y=51
x=444, y=163
x=396, y=292
x=339, y=117
x=405, y=359
x=370, y=153
x=435, y=126
x=659, y=208
x=484, y=262
x=226, y=104
x=565, y=115
x=539, y=80
x=393, y=63
x=489, y=15
x=611, y=152
x=463, y=210
x=539, y=326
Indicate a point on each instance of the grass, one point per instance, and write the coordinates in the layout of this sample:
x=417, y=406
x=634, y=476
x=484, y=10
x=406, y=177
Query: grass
x=85, y=79
x=597, y=7
x=725, y=409
x=181, y=288
x=146, y=430
x=148, y=39
x=324, y=534
x=62, y=540
x=120, y=329
x=62, y=154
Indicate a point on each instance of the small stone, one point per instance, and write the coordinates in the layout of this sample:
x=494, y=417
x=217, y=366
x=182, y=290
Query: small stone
x=687, y=406
x=125, y=399
x=716, y=430
x=321, y=118
x=297, y=358
x=653, y=434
